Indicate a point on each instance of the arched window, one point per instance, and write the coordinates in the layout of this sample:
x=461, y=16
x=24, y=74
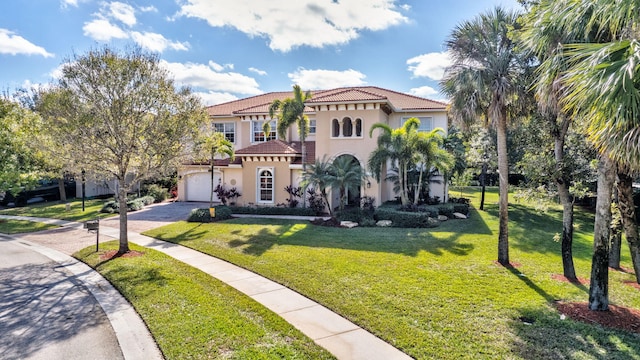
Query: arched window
x=265, y=185
x=359, y=127
x=335, y=125
x=347, y=127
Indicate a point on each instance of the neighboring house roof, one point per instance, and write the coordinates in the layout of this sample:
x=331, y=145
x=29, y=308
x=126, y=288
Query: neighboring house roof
x=259, y=104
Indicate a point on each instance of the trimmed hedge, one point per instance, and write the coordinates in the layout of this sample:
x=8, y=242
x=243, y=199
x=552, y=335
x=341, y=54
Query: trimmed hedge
x=275, y=210
x=403, y=219
x=203, y=215
x=158, y=193
x=132, y=205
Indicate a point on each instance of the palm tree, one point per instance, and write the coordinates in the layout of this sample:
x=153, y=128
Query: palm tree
x=483, y=81
x=346, y=174
x=396, y=147
x=601, y=86
x=546, y=43
x=318, y=176
x=291, y=111
x=210, y=145
x=430, y=154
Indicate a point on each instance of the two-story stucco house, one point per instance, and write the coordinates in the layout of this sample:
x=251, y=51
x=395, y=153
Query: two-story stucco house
x=340, y=120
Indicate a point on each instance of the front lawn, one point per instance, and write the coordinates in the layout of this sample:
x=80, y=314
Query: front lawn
x=58, y=211
x=434, y=293
x=193, y=316
x=10, y=226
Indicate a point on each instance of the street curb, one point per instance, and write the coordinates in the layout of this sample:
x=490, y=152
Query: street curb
x=134, y=338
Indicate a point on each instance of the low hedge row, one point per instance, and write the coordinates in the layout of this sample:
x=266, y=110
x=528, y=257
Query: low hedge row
x=404, y=219
x=276, y=210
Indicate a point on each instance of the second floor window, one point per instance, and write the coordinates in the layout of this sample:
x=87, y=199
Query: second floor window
x=228, y=129
x=312, y=126
x=258, y=134
x=426, y=123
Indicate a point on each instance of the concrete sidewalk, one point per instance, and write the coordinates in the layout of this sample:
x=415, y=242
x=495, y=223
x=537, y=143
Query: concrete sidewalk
x=339, y=336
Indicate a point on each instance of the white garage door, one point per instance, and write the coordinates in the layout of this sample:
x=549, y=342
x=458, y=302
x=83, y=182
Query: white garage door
x=198, y=187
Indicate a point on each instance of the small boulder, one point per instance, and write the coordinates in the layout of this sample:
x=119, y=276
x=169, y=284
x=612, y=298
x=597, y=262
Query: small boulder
x=348, y=224
x=384, y=223
x=458, y=215
x=442, y=218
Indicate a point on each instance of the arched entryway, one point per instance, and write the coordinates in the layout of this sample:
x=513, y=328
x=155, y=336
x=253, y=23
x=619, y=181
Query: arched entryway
x=348, y=173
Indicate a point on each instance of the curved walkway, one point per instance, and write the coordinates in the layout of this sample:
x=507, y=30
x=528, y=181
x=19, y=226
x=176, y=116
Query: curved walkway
x=339, y=336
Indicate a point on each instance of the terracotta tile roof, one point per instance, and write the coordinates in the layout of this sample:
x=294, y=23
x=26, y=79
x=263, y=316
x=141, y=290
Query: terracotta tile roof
x=260, y=104
x=279, y=147
x=272, y=147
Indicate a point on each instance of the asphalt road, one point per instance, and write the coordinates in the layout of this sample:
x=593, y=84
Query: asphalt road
x=45, y=313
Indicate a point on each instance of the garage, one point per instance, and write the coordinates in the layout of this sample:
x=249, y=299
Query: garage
x=198, y=187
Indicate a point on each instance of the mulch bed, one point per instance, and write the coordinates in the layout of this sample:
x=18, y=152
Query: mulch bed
x=111, y=254
x=616, y=317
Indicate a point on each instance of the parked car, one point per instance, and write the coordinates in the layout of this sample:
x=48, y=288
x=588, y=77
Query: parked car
x=47, y=190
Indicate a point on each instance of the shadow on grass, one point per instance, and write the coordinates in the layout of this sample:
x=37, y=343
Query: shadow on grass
x=564, y=338
x=533, y=231
x=568, y=339
x=274, y=232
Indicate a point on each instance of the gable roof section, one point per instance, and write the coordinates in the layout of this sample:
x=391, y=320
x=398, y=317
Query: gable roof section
x=272, y=147
x=260, y=104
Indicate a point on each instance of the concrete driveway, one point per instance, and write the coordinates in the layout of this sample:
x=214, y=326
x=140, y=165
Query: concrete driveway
x=155, y=215
x=46, y=313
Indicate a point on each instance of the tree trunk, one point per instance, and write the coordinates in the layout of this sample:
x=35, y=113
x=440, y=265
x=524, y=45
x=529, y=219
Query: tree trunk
x=615, y=238
x=483, y=182
x=628, y=213
x=122, y=202
x=211, y=195
x=503, y=169
x=418, y=189
x=599, y=287
x=62, y=190
x=562, y=182
x=304, y=170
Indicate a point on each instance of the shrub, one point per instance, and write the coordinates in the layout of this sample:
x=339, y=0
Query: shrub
x=316, y=203
x=368, y=203
x=295, y=193
x=148, y=200
x=461, y=208
x=368, y=222
x=225, y=194
x=204, y=216
x=446, y=210
x=158, y=193
x=110, y=207
x=135, y=205
x=405, y=219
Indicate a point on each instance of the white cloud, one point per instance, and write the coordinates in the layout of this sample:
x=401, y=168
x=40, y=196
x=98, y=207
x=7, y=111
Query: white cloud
x=213, y=98
x=66, y=3
x=424, y=91
x=290, y=24
x=430, y=65
x=258, y=71
x=149, y=8
x=203, y=76
x=326, y=79
x=122, y=12
x=156, y=42
x=13, y=44
x=103, y=30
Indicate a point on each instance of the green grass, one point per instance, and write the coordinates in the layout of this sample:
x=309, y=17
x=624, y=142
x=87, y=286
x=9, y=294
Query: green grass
x=193, y=316
x=58, y=211
x=10, y=226
x=434, y=293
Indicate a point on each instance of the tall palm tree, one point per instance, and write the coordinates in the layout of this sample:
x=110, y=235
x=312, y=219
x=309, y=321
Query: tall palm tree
x=291, y=111
x=212, y=144
x=482, y=81
x=602, y=84
x=546, y=44
x=395, y=146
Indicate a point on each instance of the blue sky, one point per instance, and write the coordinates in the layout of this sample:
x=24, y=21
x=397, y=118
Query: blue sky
x=226, y=50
